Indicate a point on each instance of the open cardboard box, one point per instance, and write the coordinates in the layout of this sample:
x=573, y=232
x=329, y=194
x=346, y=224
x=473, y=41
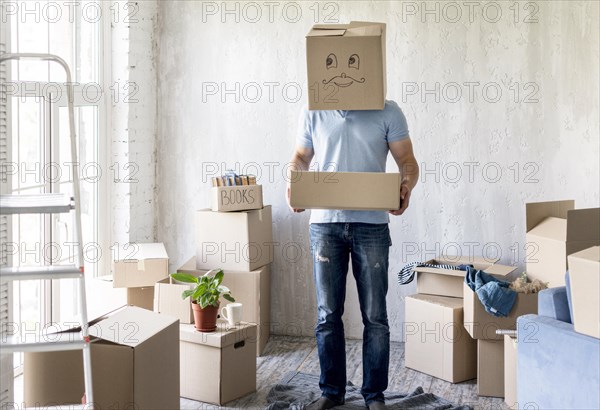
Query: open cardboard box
x=448, y=282
x=141, y=297
x=346, y=68
x=135, y=364
x=241, y=241
x=252, y=290
x=237, y=198
x=345, y=190
x=555, y=230
x=139, y=265
x=584, y=277
x=220, y=366
x=436, y=340
x=168, y=300
x=483, y=325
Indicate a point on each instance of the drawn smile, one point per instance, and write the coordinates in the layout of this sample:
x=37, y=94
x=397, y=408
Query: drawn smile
x=343, y=80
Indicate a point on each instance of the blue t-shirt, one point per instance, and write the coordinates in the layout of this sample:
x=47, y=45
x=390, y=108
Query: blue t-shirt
x=351, y=141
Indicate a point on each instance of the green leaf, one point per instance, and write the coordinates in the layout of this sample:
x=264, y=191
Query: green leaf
x=203, y=301
x=187, y=293
x=219, y=276
x=228, y=297
x=198, y=292
x=184, y=277
x=223, y=289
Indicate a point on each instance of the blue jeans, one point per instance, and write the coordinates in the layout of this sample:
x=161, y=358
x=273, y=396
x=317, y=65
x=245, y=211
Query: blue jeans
x=332, y=245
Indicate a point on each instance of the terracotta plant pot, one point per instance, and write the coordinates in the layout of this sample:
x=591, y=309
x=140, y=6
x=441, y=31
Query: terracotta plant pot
x=205, y=320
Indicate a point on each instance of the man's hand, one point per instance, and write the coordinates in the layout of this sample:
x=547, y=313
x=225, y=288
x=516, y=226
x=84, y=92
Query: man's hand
x=404, y=200
x=289, y=192
x=402, y=152
x=300, y=161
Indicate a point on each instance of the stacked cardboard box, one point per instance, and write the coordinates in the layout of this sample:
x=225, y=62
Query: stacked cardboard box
x=252, y=290
x=556, y=230
x=137, y=267
x=240, y=243
x=220, y=366
x=510, y=371
x=584, y=269
x=482, y=326
x=437, y=342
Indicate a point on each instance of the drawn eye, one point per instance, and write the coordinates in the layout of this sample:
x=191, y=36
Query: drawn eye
x=354, y=61
x=331, y=61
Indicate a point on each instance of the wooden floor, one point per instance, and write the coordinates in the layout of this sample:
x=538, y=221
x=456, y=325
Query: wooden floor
x=284, y=354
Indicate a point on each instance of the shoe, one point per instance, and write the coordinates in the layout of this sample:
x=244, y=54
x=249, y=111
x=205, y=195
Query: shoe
x=323, y=403
x=377, y=405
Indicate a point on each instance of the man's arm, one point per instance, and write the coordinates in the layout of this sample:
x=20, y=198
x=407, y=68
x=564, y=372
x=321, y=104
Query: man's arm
x=402, y=152
x=300, y=162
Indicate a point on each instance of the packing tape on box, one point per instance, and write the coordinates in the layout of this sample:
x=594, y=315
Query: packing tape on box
x=140, y=264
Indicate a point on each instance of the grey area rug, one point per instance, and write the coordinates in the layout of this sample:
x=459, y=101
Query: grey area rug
x=297, y=390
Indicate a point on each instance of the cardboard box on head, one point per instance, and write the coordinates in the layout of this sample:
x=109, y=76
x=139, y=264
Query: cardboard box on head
x=346, y=66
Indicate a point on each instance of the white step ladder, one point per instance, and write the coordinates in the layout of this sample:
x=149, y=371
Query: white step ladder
x=51, y=204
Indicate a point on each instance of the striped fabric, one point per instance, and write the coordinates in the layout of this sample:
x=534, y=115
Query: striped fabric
x=407, y=273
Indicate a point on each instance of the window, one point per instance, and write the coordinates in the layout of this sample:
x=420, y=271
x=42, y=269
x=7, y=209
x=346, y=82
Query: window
x=36, y=148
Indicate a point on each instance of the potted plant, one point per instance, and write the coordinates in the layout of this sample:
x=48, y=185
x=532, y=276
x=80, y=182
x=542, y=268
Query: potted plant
x=205, y=297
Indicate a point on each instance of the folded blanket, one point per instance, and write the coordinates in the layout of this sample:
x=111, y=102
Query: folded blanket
x=297, y=390
x=495, y=295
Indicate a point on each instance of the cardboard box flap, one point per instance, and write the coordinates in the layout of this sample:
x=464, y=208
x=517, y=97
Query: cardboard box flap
x=91, y=323
x=439, y=271
x=331, y=26
x=459, y=260
x=328, y=30
x=131, y=326
x=551, y=227
x=488, y=265
x=452, y=303
x=190, y=265
x=220, y=338
x=590, y=254
x=583, y=224
x=499, y=270
x=354, y=24
x=536, y=212
x=147, y=251
x=365, y=31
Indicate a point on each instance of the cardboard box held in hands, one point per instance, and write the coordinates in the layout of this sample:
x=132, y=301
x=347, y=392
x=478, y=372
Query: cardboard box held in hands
x=345, y=190
x=346, y=66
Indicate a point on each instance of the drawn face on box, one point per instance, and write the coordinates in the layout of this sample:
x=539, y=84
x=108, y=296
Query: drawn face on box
x=344, y=69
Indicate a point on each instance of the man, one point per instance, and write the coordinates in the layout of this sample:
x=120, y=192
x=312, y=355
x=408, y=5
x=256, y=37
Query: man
x=353, y=141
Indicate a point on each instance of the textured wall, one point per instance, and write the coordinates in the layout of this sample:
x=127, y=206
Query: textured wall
x=133, y=144
x=500, y=113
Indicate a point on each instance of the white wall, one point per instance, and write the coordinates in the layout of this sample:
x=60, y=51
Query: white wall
x=542, y=133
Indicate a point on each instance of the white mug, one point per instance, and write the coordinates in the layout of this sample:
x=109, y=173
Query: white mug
x=232, y=313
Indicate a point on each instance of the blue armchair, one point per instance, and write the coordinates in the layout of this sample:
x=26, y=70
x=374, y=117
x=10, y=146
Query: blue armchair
x=557, y=367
